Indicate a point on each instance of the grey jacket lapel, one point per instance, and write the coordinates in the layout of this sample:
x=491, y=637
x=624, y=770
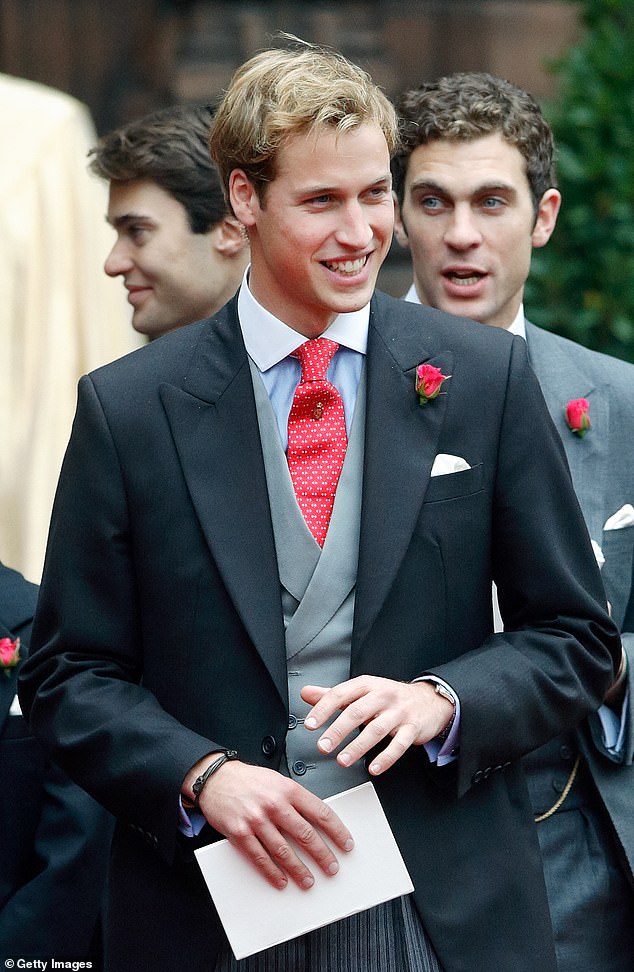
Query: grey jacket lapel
x=588, y=457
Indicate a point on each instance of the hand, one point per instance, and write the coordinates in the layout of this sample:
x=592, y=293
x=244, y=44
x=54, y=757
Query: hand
x=411, y=713
x=257, y=809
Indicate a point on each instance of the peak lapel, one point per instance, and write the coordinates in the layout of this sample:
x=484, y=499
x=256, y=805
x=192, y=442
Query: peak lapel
x=214, y=424
x=561, y=379
x=400, y=446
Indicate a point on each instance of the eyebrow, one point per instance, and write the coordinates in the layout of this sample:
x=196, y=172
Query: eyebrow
x=325, y=190
x=492, y=186
x=120, y=222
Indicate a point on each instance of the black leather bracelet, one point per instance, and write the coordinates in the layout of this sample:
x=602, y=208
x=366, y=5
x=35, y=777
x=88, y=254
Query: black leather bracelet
x=199, y=783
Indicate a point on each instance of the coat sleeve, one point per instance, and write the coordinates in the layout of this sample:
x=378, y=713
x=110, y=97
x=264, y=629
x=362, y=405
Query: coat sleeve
x=81, y=687
x=555, y=659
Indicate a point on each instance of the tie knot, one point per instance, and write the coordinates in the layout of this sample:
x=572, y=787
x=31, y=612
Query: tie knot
x=315, y=356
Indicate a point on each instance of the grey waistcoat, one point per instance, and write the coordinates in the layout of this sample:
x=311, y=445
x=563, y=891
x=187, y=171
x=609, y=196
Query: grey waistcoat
x=318, y=590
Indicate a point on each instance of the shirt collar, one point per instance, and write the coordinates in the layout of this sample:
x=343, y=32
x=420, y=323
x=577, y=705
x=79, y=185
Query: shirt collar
x=268, y=340
x=517, y=326
x=411, y=295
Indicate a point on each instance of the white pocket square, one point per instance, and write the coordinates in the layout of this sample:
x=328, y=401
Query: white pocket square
x=444, y=464
x=622, y=518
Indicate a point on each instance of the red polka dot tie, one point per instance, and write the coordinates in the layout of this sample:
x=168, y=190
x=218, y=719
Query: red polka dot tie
x=317, y=437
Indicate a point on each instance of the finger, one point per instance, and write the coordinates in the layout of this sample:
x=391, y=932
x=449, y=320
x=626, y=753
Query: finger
x=313, y=693
x=374, y=732
x=356, y=716
x=257, y=855
x=293, y=841
x=325, y=820
x=334, y=700
x=398, y=746
x=284, y=853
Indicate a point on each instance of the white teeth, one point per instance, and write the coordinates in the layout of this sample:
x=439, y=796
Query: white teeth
x=347, y=266
x=464, y=281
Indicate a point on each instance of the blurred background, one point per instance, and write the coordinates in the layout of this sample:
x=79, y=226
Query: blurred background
x=126, y=57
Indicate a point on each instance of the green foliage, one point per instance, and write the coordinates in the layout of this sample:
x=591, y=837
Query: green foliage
x=582, y=282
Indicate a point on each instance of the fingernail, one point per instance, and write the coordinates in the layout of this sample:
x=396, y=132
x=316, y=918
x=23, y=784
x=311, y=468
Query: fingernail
x=325, y=745
x=310, y=722
x=307, y=882
x=375, y=768
x=344, y=759
x=333, y=868
x=349, y=844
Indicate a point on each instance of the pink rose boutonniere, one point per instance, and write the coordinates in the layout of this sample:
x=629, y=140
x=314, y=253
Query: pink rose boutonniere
x=577, y=416
x=9, y=654
x=428, y=382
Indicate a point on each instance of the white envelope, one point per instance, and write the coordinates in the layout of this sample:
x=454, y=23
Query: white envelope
x=256, y=916
x=445, y=464
x=622, y=518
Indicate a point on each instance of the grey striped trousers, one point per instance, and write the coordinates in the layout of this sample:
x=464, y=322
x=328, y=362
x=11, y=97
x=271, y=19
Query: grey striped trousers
x=388, y=938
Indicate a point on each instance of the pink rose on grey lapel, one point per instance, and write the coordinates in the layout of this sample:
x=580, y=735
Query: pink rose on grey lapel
x=429, y=381
x=577, y=416
x=9, y=654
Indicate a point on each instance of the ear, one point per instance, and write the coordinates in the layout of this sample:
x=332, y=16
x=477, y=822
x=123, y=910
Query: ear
x=230, y=237
x=243, y=197
x=547, y=213
x=400, y=231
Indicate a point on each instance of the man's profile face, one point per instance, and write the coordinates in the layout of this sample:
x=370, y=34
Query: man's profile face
x=469, y=221
x=323, y=228
x=171, y=274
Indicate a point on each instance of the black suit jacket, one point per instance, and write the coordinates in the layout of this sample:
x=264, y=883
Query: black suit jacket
x=159, y=635
x=55, y=838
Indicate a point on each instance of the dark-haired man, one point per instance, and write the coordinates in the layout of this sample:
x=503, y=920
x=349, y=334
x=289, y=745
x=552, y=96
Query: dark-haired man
x=180, y=252
x=477, y=191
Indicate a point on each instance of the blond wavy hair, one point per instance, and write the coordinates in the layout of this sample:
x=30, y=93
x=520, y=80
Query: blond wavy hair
x=279, y=93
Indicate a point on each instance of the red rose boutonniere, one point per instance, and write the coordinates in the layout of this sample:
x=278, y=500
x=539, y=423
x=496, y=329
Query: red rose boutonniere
x=9, y=654
x=577, y=416
x=428, y=382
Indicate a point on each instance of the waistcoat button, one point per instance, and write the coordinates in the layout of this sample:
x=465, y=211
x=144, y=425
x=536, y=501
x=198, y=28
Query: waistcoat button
x=268, y=745
x=299, y=767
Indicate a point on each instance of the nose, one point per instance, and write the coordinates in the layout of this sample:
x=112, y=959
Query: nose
x=355, y=230
x=461, y=232
x=118, y=261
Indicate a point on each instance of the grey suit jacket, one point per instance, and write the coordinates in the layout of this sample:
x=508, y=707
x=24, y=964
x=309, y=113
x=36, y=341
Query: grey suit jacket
x=602, y=468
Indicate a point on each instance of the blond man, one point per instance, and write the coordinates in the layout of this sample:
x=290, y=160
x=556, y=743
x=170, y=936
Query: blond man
x=274, y=594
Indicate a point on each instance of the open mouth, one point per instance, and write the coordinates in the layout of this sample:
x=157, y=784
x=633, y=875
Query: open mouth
x=464, y=278
x=347, y=267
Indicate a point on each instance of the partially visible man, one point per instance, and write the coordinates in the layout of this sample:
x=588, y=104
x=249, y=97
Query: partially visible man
x=476, y=191
x=179, y=251
x=55, y=838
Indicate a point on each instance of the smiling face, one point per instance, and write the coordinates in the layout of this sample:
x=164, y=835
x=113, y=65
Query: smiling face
x=323, y=228
x=469, y=221
x=173, y=276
